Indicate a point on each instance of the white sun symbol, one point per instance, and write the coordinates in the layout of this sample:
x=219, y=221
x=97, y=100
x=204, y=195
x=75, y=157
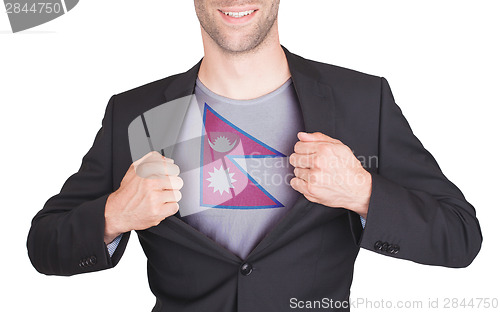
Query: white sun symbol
x=221, y=180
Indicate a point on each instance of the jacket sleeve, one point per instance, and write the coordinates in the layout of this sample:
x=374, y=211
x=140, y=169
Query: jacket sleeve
x=67, y=236
x=415, y=212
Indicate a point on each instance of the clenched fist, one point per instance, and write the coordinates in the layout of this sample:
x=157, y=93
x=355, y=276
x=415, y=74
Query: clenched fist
x=148, y=193
x=327, y=172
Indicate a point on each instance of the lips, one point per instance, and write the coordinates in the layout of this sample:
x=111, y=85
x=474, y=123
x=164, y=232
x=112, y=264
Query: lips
x=35, y=13
x=237, y=15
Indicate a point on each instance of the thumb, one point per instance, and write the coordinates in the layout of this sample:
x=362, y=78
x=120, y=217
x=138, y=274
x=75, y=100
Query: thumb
x=316, y=137
x=147, y=157
x=152, y=156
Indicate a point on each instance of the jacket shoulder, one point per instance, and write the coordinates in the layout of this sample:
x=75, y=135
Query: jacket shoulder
x=152, y=90
x=130, y=104
x=341, y=75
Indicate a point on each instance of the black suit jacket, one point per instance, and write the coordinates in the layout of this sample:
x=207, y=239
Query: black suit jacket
x=415, y=212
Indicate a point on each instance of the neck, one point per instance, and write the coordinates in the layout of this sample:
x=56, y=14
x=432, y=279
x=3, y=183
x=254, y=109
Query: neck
x=244, y=76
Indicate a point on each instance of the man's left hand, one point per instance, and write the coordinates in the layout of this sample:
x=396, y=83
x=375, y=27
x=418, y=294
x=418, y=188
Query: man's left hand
x=327, y=172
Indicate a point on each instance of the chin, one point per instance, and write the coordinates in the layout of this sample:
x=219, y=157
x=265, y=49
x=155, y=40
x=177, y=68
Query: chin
x=238, y=44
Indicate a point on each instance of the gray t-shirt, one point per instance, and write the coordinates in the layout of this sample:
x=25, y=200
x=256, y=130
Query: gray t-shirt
x=233, y=158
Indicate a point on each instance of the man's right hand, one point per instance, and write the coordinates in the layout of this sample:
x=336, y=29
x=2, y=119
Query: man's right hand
x=148, y=193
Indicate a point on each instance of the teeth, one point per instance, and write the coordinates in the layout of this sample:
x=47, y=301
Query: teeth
x=239, y=14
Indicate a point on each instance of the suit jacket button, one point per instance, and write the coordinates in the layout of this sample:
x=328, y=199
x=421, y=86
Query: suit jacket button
x=246, y=269
x=396, y=249
x=378, y=245
x=83, y=263
x=390, y=249
x=93, y=260
x=384, y=246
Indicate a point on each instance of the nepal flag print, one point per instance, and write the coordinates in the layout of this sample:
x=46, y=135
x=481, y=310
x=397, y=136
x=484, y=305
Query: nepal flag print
x=224, y=179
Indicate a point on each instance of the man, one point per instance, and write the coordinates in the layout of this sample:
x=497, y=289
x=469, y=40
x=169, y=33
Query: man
x=237, y=241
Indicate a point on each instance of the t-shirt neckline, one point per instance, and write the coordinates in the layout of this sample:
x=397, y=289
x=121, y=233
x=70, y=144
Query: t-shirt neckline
x=259, y=99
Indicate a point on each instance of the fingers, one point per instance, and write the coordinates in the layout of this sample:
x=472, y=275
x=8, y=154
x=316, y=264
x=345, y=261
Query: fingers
x=139, y=161
x=303, y=147
x=165, y=183
x=171, y=183
x=301, y=186
x=172, y=196
x=303, y=174
x=298, y=185
x=302, y=161
x=168, y=160
x=317, y=146
x=171, y=208
x=311, y=176
x=152, y=156
x=316, y=137
x=157, y=169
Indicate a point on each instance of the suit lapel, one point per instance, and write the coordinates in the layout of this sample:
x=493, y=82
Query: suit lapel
x=315, y=98
x=178, y=96
x=318, y=110
x=183, y=84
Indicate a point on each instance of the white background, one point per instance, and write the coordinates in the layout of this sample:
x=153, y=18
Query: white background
x=441, y=59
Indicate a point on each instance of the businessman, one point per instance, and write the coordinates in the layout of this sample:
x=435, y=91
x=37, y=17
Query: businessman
x=253, y=179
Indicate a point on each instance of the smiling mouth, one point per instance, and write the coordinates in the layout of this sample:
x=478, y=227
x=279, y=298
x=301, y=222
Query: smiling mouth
x=238, y=14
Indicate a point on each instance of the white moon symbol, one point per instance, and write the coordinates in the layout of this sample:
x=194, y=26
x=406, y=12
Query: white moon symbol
x=221, y=144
